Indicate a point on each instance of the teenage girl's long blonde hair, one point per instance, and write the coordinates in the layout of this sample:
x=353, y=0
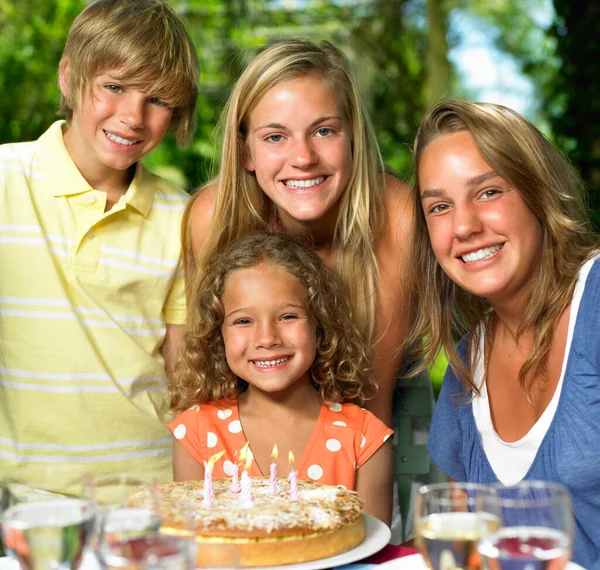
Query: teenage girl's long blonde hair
x=552, y=190
x=241, y=205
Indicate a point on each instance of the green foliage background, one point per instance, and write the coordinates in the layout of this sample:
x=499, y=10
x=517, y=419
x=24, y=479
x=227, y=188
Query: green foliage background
x=398, y=49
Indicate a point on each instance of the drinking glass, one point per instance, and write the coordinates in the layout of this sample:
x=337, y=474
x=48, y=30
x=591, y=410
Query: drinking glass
x=449, y=521
x=536, y=530
x=47, y=520
x=127, y=506
x=150, y=553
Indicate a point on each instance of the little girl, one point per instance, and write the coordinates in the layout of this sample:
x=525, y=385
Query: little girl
x=270, y=355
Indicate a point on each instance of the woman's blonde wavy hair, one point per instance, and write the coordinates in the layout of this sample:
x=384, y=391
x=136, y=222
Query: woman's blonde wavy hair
x=552, y=190
x=341, y=371
x=241, y=205
x=147, y=43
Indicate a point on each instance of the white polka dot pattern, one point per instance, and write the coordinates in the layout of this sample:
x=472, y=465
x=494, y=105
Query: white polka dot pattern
x=362, y=442
x=342, y=424
x=315, y=472
x=333, y=445
x=179, y=431
x=224, y=414
x=235, y=426
x=228, y=467
x=386, y=437
x=211, y=439
x=195, y=407
x=336, y=407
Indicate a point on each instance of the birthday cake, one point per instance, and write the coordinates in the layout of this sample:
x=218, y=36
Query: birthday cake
x=265, y=528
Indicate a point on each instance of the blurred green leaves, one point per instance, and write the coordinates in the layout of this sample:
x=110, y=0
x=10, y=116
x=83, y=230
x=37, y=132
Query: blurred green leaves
x=32, y=37
x=396, y=47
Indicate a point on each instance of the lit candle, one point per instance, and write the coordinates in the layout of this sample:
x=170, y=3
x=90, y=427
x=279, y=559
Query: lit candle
x=246, y=492
x=235, y=475
x=273, y=480
x=208, y=492
x=293, y=479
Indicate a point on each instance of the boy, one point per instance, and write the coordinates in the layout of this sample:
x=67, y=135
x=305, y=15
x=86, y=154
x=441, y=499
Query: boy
x=92, y=296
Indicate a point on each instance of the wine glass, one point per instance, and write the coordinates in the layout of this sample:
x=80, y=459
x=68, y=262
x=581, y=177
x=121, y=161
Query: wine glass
x=449, y=521
x=47, y=521
x=536, y=530
x=128, y=508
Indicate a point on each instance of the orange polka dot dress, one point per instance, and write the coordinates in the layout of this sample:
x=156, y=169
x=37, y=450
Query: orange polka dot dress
x=345, y=436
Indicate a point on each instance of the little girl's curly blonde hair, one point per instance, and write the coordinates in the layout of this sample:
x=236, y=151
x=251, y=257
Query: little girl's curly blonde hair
x=341, y=371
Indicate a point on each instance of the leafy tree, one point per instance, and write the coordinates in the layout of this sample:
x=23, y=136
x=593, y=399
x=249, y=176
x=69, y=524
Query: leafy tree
x=574, y=95
x=31, y=43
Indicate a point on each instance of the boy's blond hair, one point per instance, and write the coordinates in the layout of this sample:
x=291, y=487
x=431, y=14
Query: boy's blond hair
x=149, y=46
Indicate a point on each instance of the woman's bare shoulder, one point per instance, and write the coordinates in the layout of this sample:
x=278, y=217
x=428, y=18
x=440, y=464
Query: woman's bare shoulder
x=200, y=215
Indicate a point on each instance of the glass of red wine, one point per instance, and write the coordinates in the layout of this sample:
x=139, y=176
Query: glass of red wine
x=150, y=553
x=536, y=527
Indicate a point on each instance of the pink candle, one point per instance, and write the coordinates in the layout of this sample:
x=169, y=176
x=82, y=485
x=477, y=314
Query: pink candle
x=246, y=492
x=293, y=479
x=208, y=492
x=235, y=479
x=273, y=480
x=235, y=475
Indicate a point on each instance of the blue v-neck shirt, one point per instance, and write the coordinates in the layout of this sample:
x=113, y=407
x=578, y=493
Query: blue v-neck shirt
x=570, y=451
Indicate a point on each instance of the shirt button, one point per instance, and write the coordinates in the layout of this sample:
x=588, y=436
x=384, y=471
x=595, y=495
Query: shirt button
x=90, y=198
x=91, y=234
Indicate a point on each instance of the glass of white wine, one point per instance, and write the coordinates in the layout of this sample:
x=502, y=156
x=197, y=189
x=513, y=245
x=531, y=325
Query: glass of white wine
x=47, y=519
x=536, y=530
x=449, y=522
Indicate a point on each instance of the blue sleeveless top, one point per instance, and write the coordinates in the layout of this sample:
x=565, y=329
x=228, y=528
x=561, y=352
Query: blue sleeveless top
x=570, y=451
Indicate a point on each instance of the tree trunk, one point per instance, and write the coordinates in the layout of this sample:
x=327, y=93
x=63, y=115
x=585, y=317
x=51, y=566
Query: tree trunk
x=438, y=66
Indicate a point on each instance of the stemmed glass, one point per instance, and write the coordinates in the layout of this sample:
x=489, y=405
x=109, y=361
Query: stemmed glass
x=536, y=527
x=449, y=522
x=128, y=508
x=47, y=520
x=151, y=553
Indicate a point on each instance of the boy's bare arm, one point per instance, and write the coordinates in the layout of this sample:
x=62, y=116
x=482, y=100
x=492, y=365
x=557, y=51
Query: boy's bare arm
x=170, y=347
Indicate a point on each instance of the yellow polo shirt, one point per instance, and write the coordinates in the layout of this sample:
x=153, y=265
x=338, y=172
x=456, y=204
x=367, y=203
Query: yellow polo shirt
x=84, y=300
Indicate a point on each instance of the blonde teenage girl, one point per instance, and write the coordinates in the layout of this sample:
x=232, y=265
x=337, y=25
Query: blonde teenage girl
x=271, y=356
x=299, y=156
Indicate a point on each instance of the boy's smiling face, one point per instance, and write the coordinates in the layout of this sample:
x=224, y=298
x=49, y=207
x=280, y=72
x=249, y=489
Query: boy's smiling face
x=113, y=127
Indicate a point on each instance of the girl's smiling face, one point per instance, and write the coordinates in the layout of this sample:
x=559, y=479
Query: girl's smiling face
x=299, y=146
x=482, y=233
x=268, y=330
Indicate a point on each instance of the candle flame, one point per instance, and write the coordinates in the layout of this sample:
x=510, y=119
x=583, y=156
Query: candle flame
x=291, y=458
x=274, y=453
x=243, y=453
x=213, y=460
x=248, y=461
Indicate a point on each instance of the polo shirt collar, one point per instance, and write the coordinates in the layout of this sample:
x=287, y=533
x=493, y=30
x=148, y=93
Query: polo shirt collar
x=66, y=180
x=140, y=193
